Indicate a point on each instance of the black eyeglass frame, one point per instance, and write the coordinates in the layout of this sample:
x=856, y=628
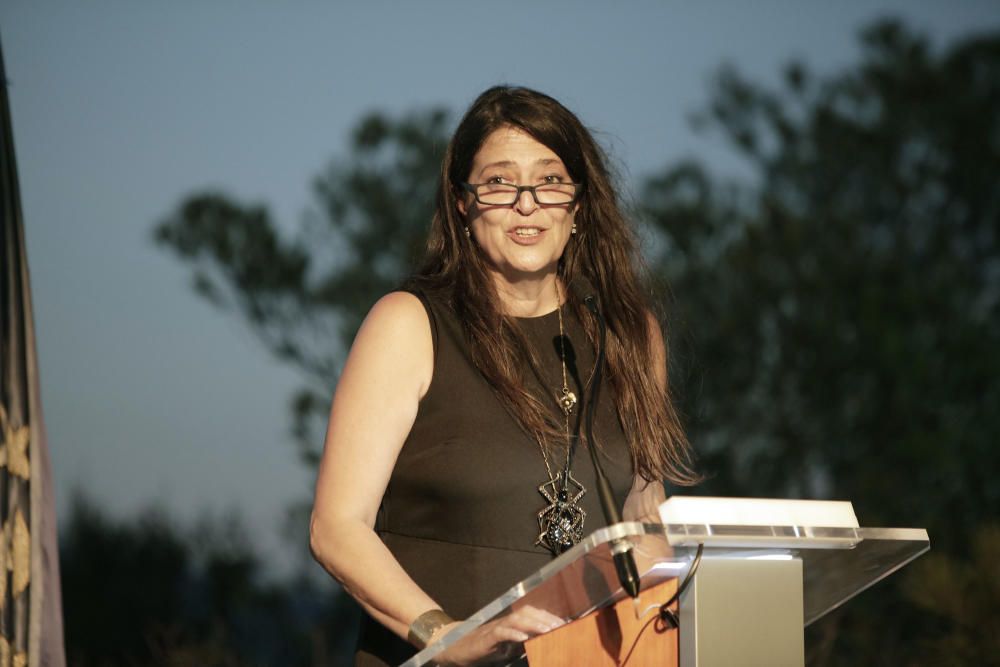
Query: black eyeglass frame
x=473, y=188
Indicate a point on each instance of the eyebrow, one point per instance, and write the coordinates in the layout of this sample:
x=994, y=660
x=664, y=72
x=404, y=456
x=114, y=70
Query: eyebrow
x=504, y=164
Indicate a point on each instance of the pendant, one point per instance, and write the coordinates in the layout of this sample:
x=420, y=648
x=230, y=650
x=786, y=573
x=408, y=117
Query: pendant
x=560, y=523
x=567, y=401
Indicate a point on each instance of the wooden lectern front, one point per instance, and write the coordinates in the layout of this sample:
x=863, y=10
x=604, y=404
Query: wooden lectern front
x=628, y=632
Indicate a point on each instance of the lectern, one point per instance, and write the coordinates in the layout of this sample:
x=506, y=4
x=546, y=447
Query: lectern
x=749, y=589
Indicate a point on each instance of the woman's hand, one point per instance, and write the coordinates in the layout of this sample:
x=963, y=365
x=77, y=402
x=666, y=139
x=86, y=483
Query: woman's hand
x=498, y=640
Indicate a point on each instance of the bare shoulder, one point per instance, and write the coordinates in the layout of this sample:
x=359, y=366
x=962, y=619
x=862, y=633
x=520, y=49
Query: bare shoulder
x=399, y=309
x=396, y=334
x=400, y=317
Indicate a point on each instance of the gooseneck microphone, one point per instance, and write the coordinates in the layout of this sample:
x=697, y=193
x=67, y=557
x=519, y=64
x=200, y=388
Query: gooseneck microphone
x=621, y=549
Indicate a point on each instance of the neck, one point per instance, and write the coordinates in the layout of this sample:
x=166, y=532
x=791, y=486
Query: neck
x=529, y=298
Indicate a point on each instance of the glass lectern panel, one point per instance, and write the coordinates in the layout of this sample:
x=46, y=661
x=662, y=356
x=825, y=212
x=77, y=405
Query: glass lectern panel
x=577, y=582
x=837, y=564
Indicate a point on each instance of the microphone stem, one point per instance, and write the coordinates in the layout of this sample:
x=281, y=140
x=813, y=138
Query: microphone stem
x=621, y=549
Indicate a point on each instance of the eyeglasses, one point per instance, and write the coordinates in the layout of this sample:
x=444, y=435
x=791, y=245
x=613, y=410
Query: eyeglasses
x=505, y=194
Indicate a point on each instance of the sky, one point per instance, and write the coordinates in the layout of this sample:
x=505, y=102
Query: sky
x=121, y=109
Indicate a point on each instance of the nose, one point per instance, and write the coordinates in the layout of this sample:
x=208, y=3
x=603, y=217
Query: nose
x=525, y=204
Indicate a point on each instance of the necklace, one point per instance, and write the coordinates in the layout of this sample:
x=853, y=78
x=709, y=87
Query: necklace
x=560, y=523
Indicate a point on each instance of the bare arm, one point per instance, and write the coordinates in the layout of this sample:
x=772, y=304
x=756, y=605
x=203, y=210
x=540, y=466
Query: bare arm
x=388, y=371
x=643, y=502
x=644, y=499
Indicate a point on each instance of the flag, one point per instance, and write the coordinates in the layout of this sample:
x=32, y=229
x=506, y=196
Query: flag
x=31, y=629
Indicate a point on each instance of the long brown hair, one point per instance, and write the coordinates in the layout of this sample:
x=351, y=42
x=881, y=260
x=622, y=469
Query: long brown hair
x=603, y=254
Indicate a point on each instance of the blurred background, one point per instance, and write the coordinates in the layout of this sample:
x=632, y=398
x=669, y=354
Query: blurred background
x=215, y=193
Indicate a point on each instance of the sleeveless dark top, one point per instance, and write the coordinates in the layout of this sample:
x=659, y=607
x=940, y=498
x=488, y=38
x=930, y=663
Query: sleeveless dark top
x=460, y=510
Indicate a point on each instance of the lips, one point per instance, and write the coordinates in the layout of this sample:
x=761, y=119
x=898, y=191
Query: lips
x=526, y=234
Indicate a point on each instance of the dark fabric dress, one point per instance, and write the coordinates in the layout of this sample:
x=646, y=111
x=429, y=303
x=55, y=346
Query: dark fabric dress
x=460, y=510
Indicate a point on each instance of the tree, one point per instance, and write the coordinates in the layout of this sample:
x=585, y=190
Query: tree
x=305, y=297
x=837, y=325
x=843, y=312
x=146, y=591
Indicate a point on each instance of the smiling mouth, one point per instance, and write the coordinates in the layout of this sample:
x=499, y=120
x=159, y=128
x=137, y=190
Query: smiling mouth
x=525, y=232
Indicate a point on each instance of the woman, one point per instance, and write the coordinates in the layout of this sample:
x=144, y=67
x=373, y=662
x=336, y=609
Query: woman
x=454, y=425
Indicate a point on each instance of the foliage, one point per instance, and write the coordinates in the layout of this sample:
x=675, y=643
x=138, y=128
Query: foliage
x=145, y=592
x=963, y=595
x=842, y=315
x=305, y=297
x=837, y=324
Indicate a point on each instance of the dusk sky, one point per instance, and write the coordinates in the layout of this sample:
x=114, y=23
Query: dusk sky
x=122, y=109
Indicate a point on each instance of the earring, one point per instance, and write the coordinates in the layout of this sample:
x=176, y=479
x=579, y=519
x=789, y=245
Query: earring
x=467, y=233
x=573, y=230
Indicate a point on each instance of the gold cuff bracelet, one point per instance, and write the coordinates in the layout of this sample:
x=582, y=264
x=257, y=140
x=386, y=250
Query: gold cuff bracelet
x=426, y=625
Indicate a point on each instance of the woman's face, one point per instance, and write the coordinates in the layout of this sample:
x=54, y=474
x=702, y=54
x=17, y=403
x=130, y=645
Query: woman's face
x=522, y=241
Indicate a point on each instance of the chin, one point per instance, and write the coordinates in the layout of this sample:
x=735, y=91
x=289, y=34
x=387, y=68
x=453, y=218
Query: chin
x=528, y=269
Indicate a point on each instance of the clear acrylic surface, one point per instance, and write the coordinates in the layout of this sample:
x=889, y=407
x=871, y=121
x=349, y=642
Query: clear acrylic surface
x=838, y=563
